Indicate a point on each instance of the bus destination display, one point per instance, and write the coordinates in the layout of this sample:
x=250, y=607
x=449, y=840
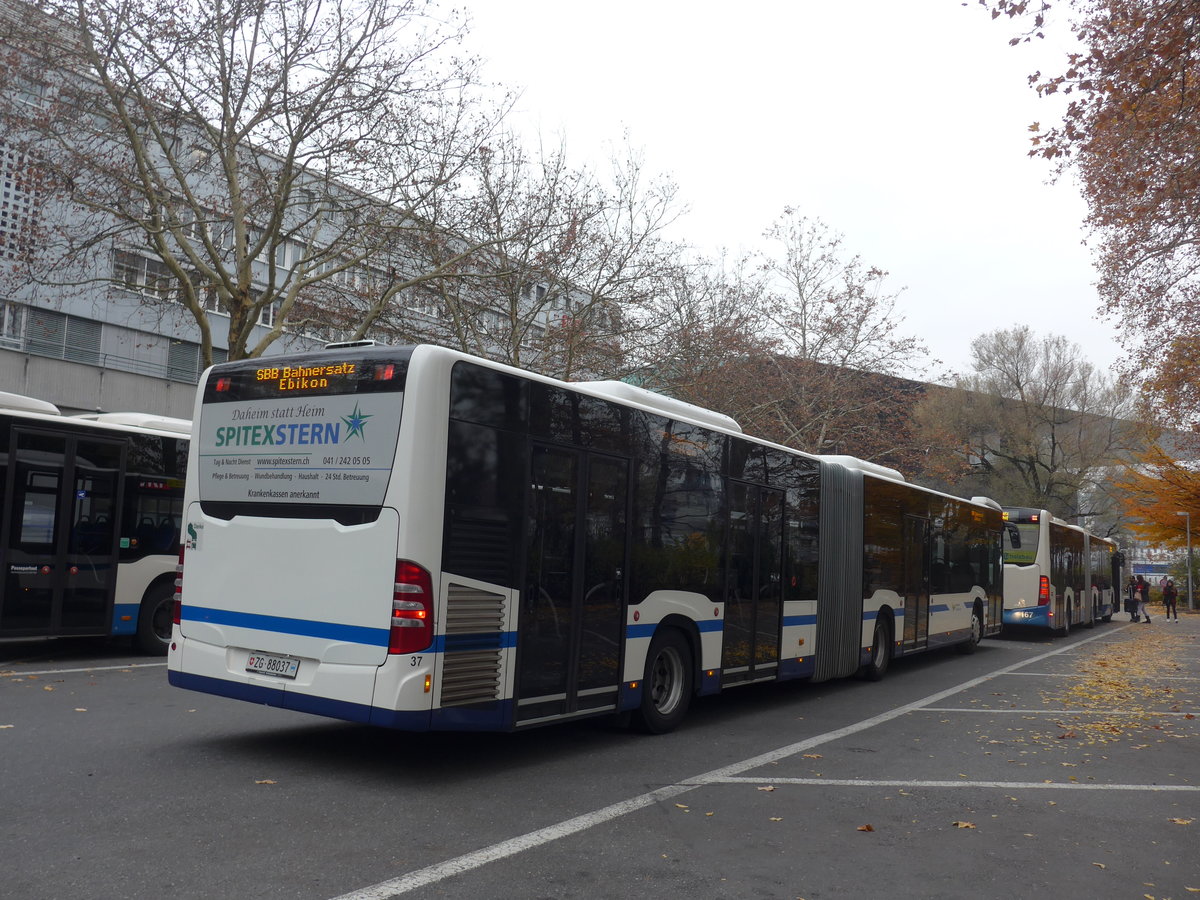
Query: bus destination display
x=290, y=379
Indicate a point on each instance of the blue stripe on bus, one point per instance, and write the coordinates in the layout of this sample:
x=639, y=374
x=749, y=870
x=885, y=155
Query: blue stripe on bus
x=356, y=634
x=495, y=716
x=799, y=620
x=645, y=631
x=452, y=643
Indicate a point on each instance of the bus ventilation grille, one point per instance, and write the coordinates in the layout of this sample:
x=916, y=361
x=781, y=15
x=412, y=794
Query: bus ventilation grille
x=472, y=659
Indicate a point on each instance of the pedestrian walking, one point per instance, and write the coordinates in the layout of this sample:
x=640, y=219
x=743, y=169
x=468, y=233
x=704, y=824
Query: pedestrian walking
x=1142, y=591
x=1170, y=600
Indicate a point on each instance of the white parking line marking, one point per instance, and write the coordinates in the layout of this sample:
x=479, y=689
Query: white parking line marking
x=469, y=861
x=1060, y=712
x=1004, y=785
x=13, y=673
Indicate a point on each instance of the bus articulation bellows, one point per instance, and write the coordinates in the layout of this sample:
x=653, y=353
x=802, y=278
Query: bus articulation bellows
x=416, y=538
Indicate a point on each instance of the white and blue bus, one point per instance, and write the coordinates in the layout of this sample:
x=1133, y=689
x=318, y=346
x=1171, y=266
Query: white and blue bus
x=416, y=538
x=90, y=524
x=1060, y=575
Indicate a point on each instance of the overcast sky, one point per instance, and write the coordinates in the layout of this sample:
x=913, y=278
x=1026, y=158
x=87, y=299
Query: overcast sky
x=902, y=125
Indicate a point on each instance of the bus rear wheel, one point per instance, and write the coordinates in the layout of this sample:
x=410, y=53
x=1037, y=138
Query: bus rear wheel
x=154, y=620
x=667, y=687
x=881, y=652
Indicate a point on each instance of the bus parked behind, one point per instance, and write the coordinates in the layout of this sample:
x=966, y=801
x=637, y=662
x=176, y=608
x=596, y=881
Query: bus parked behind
x=1060, y=576
x=90, y=528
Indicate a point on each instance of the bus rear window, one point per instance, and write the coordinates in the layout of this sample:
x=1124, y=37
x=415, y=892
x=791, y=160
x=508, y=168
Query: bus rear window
x=1026, y=554
x=315, y=429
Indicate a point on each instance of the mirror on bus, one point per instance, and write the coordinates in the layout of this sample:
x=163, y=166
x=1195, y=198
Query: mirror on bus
x=1014, y=536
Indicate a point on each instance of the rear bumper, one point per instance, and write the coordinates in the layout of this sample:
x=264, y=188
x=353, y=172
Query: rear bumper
x=1028, y=615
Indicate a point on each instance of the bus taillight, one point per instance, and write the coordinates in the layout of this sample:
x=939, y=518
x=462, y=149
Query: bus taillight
x=177, y=603
x=1043, y=591
x=412, y=609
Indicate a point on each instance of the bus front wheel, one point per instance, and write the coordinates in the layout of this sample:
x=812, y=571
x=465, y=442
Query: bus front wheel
x=667, y=687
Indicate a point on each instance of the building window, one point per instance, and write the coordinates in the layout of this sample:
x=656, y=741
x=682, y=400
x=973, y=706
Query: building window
x=142, y=274
x=184, y=361
x=27, y=91
x=55, y=334
x=12, y=324
x=269, y=313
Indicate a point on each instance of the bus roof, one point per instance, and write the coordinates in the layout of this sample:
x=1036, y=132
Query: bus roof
x=140, y=420
x=22, y=403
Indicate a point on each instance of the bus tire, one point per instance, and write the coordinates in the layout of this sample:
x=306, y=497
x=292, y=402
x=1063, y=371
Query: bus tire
x=968, y=646
x=881, y=652
x=154, y=619
x=667, y=685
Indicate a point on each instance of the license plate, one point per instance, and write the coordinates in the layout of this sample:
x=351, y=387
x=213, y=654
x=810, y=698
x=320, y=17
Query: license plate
x=266, y=664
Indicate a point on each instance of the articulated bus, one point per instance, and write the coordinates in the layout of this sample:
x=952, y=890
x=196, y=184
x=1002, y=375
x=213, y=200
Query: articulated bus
x=90, y=526
x=1060, y=575
x=416, y=538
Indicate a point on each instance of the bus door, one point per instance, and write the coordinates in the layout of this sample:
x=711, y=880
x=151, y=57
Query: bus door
x=570, y=622
x=915, y=550
x=753, y=584
x=60, y=534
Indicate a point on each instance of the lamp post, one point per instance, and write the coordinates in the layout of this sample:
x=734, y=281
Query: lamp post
x=1191, y=600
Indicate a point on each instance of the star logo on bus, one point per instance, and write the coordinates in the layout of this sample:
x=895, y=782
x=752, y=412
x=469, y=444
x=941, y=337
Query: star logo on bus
x=356, y=422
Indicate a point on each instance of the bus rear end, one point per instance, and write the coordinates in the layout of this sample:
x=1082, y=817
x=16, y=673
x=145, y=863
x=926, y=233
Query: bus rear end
x=291, y=592
x=1027, y=589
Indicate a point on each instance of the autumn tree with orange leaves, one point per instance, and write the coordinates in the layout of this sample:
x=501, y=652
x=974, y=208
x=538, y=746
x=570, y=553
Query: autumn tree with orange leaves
x=1131, y=133
x=1155, y=491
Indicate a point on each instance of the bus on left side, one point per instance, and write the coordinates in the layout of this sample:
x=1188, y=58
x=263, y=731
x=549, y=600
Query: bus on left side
x=89, y=535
